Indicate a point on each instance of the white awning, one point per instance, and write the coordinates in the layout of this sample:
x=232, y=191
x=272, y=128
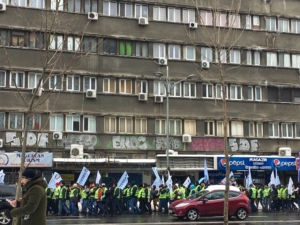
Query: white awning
x=105, y=160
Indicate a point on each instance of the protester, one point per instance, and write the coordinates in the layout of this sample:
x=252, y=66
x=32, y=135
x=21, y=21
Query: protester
x=62, y=200
x=154, y=197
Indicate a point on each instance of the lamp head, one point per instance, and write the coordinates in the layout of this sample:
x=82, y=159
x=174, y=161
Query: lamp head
x=191, y=76
x=158, y=74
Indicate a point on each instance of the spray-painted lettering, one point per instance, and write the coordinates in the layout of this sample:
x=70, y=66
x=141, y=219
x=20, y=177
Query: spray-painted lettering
x=242, y=144
x=207, y=144
x=129, y=142
x=15, y=139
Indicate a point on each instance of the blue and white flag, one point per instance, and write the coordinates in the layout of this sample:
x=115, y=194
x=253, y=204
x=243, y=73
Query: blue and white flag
x=98, y=178
x=248, y=179
x=187, y=182
x=200, y=180
x=169, y=182
x=231, y=179
x=206, y=177
x=277, y=180
x=162, y=179
x=290, y=186
x=155, y=172
x=123, y=180
x=157, y=182
x=84, y=175
x=272, y=179
x=54, y=179
x=2, y=175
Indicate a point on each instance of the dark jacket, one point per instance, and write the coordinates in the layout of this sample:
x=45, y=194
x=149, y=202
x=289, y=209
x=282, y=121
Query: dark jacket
x=32, y=209
x=274, y=194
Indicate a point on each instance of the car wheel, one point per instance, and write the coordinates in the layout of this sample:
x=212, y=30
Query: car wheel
x=241, y=214
x=192, y=214
x=3, y=219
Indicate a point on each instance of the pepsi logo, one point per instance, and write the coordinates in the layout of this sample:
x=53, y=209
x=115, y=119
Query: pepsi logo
x=276, y=162
x=223, y=162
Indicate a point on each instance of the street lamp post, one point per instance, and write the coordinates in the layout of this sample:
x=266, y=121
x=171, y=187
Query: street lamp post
x=168, y=90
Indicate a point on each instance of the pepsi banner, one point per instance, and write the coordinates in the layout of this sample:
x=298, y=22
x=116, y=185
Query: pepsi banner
x=258, y=163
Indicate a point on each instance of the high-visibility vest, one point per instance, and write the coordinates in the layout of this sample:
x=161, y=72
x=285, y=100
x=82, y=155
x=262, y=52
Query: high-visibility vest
x=119, y=195
x=131, y=190
x=73, y=193
x=192, y=191
x=183, y=192
x=92, y=192
x=83, y=194
x=259, y=193
x=253, y=195
x=49, y=192
x=284, y=193
x=96, y=193
x=279, y=193
x=143, y=193
x=104, y=192
x=163, y=195
x=266, y=192
x=63, y=189
x=149, y=193
x=57, y=191
x=140, y=192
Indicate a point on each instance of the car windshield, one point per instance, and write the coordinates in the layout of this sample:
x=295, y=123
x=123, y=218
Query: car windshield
x=198, y=194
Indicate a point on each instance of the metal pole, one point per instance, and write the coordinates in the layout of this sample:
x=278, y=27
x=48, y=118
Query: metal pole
x=168, y=126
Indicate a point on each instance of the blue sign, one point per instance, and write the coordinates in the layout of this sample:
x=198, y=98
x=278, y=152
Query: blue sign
x=258, y=163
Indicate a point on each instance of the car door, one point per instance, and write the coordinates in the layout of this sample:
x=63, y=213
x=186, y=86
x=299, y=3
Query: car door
x=233, y=202
x=213, y=205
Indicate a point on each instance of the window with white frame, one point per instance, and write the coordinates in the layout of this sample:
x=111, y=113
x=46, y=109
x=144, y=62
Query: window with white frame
x=284, y=60
x=109, y=85
x=141, y=87
x=110, y=8
x=223, y=55
x=256, y=21
x=237, y=129
x=56, y=122
x=220, y=129
x=110, y=125
x=159, y=50
x=190, y=127
x=209, y=128
x=34, y=79
x=160, y=126
x=188, y=16
x=39, y=4
x=73, y=43
x=57, y=5
x=16, y=120
x=287, y=130
x=249, y=57
x=235, y=56
x=251, y=129
x=72, y=123
x=175, y=127
x=235, y=92
x=297, y=130
x=248, y=22
x=219, y=92
x=295, y=26
x=141, y=49
x=125, y=86
x=55, y=82
x=206, y=54
x=17, y=79
x=2, y=78
x=141, y=125
x=126, y=9
x=258, y=93
x=234, y=21
x=89, y=124
x=34, y=122
x=175, y=91
x=174, y=52
x=159, y=13
x=2, y=120
x=207, y=91
x=259, y=130
x=273, y=129
x=190, y=53
x=159, y=88
x=250, y=93
x=89, y=83
x=206, y=18
x=220, y=19
x=270, y=24
x=257, y=58
x=56, y=42
x=271, y=59
x=141, y=11
x=189, y=90
x=174, y=15
x=73, y=83
x=295, y=61
x=283, y=25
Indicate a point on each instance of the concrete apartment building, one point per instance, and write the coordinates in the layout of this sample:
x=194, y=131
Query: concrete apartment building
x=98, y=94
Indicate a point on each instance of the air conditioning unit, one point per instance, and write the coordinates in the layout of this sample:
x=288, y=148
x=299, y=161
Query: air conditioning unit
x=93, y=16
x=158, y=99
x=2, y=6
x=57, y=135
x=143, y=97
x=76, y=151
x=87, y=156
x=186, y=138
x=143, y=21
x=193, y=25
x=162, y=61
x=205, y=64
x=91, y=93
x=38, y=93
x=1, y=143
x=285, y=151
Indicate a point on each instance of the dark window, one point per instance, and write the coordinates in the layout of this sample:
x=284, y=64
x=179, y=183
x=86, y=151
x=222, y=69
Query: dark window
x=233, y=194
x=17, y=39
x=36, y=40
x=286, y=95
x=89, y=44
x=7, y=192
x=110, y=46
x=273, y=94
x=90, y=6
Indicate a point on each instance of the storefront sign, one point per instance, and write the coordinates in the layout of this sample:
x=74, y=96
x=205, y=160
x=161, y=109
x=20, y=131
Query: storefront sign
x=36, y=159
x=67, y=177
x=258, y=163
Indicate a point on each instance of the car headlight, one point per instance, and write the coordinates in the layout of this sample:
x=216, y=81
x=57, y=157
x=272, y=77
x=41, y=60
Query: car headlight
x=181, y=204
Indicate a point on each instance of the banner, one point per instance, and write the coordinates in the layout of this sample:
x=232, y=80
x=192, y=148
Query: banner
x=277, y=180
x=84, y=175
x=248, y=179
x=98, y=177
x=157, y=182
x=169, y=182
x=231, y=179
x=290, y=186
x=187, y=182
x=2, y=175
x=272, y=179
x=54, y=179
x=162, y=179
x=206, y=177
x=123, y=180
x=13, y=159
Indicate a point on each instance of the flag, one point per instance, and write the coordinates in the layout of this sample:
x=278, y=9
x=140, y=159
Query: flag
x=248, y=179
x=123, y=180
x=272, y=179
x=200, y=180
x=187, y=182
x=54, y=179
x=156, y=182
x=2, y=175
x=155, y=172
x=163, y=179
x=98, y=178
x=169, y=182
x=277, y=180
x=290, y=185
x=231, y=179
x=84, y=175
x=206, y=177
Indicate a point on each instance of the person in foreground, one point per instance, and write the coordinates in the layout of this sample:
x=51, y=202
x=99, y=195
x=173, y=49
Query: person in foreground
x=32, y=208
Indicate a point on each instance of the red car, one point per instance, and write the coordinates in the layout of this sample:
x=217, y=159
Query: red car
x=210, y=202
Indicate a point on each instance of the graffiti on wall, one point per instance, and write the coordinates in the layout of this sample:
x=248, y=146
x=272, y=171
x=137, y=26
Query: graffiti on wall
x=242, y=144
x=161, y=143
x=88, y=141
x=207, y=144
x=129, y=142
x=15, y=139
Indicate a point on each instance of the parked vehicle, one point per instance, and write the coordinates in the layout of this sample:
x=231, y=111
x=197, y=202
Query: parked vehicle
x=7, y=191
x=210, y=202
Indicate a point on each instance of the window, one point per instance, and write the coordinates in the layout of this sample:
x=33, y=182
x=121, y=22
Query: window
x=73, y=6
x=297, y=129
x=248, y=22
x=270, y=24
x=273, y=130
x=3, y=37
x=159, y=13
x=73, y=83
x=237, y=129
x=258, y=93
x=36, y=40
x=251, y=129
x=57, y=5
x=175, y=127
x=189, y=90
x=190, y=53
x=188, y=15
x=110, y=8
x=56, y=42
x=220, y=129
x=190, y=127
x=73, y=43
x=89, y=124
x=259, y=129
x=287, y=130
x=17, y=79
x=174, y=15
x=284, y=60
x=206, y=54
x=256, y=58
x=2, y=120
x=220, y=19
x=39, y=4
x=110, y=46
x=160, y=126
x=89, y=83
x=176, y=90
x=271, y=59
x=126, y=9
x=17, y=38
x=209, y=128
x=283, y=25
x=2, y=78
x=141, y=126
x=141, y=49
x=235, y=92
x=125, y=86
x=223, y=55
x=235, y=56
x=207, y=91
x=110, y=124
x=206, y=18
x=125, y=125
x=141, y=11
x=56, y=122
x=249, y=58
x=159, y=50
x=109, y=85
x=174, y=52
x=159, y=88
x=72, y=123
x=125, y=48
x=16, y=121
x=34, y=122
x=295, y=26
x=90, y=44
x=90, y=6
x=295, y=61
x=250, y=93
x=141, y=87
x=256, y=21
x=219, y=92
x=55, y=82
x=234, y=21
x=34, y=79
